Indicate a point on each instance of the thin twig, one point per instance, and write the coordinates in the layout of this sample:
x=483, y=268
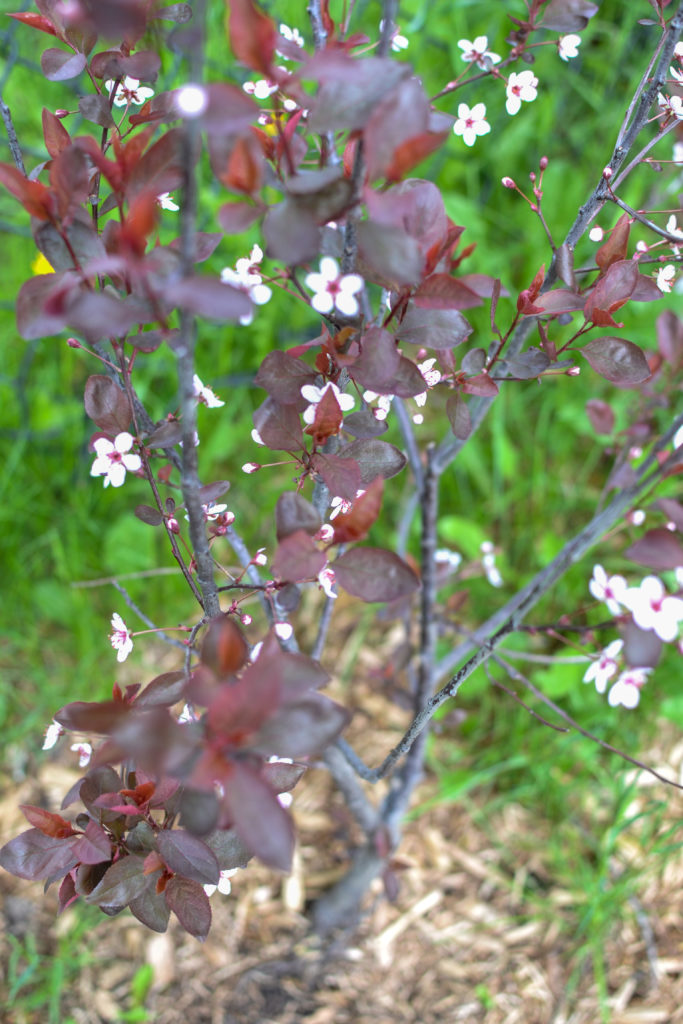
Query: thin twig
x=15, y=148
x=405, y=425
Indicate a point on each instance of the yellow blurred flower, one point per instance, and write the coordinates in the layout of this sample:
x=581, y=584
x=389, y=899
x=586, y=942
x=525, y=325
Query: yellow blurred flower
x=41, y=266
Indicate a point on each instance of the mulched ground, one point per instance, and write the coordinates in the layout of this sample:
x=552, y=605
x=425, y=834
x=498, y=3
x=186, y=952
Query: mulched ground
x=480, y=931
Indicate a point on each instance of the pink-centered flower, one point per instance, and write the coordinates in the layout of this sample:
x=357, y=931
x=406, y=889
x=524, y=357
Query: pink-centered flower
x=610, y=589
x=314, y=395
x=113, y=459
x=471, y=122
x=248, y=278
x=477, y=52
x=626, y=690
x=120, y=637
x=604, y=667
x=206, y=395
x=326, y=580
x=84, y=751
x=521, y=87
x=129, y=91
x=653, y=608
x=334, y=290
x=666, y=277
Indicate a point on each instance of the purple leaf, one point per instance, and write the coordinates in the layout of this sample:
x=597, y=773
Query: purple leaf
x=568, y=15
x=402, y=115
x=658, y=549
x=33, y=319
x=458, y=416
x=148, y=514
x=107, y=404
x=229, y=850
x=304, y=726
x=342, y=476
x=121, y=883
x=282, y=776
x=188, y=856
x=292, y=234
x=378, y=361
x=529, y=364
x=601, y=416
x=205, y=243
x=93, y=716
x=209, y=297
x=375, y=458
x=151, y=909
x=84, y=242
x=235, y=218
x=434, y=328
x=190, y=904
x=441, y=291
x=363, y=424
x=390, y=257
x=261, y=822
x=163, y=691
x=374, y=574
x=293, y=512
x=95, y=108
x=279, y=426
x=34, y=855
x=95, y=846
x=283, y=376
x=407, y=381
x=59, y=65
x=297, y=558
x=350, y=88
x=617, y=360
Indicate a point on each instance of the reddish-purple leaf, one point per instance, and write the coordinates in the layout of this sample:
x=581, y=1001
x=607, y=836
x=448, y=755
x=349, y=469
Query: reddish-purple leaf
x=283, y=376
x=564, y=264
x=67, y=893
x=407, y=381
x=375, y=458
x=434, y=328
x=560, y=300
x=658, y=549
x=56, y=136
x=228, y=848
x=601, y=416
x=613, y=290
x=170, y=432
x=374, y=574
x=151, y=909
x=83, y=242
x=50, y=824
x=403, y=114
x=190, y=904
x=122, y=882
x=458, y=416
x=297, y=558
x=304, y=726
x=673, y=510
x=188, y=856
x=59, y=65
x=32, y=319
x=389, y=256
x=481, y=384
x=568, y=15
x=224, y=648
x=441, y=291
x=293, y=512
x=95, y=846
x=208, y=297
x=378, y=360
x=282, y=776
x=95, y=108
x=292, y=233
x=342, y=476
x=616, y=246
x=261, y=822
x=279, y=426
x=148, y=514
x=617, y=360
x=93, y=716
x=414, y=206
x=350, y=88
x=204, y=244
x=34, y=855
x=529, y=364
x=363, y=424
x=670, y=337
x=107, y=404
x=163, y=691
x=252, y=35
x=354, y=525
x=235, y=218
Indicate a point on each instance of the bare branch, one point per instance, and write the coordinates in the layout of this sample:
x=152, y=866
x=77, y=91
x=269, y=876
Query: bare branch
x=15, y=148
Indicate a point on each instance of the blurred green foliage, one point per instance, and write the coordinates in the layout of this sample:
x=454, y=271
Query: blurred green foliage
x=528, y=479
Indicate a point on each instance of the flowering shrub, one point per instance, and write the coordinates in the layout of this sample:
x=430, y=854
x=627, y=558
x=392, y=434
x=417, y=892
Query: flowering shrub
x=319, y=151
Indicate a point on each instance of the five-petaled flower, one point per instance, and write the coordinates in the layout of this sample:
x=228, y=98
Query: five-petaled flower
x=471, y=122
x=167, y=202
x=666, y=277
x=653, y=608
x=224, y=885
x=113, y=459
x=247, y=276
x=626, y=690
x=568, y=46
x=314, y=395
x=521, y=87
x=604, y=666
x=611, y=589
x=129, y=91
x=478, y=53
x=333, y=289
x=120, y=637
x=205, y=394
x=670, y=105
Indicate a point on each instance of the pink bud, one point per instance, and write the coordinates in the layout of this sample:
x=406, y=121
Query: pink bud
x=532, y=176
x=73, y=343
x=607, y=173
x=508, y=182
x=61, y=113
x=573, y=371
x=173, y=525
x=543, y=162
x=251, y=467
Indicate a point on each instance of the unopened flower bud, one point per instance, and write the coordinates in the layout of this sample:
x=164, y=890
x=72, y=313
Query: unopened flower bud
x=543, y=162
x=532, y=176
x=260, y=557
x=246, y=620
x=573, y=371
x=73, y=343
x=508, y=182
x=61, y=113
x=173, y=525
x=607, y=173
x=251, y=467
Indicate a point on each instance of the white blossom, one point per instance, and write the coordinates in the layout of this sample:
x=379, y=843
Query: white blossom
x=568, y=46
x=334, y=289
x=521, y=87
x=120, y=637
x=477, y=52
x=52, y=734
x=666, y=277
x=611, y=589
x=653, y=608
x=247, y=277
x=314, y=395
x=205, y=394
x=605, y=665
x=167, y=202
x=84, y=751
x=129, y=91
x=224, y=885
x=626, y=690
x=326, y=580
x=113, y=459
x=471, y=122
